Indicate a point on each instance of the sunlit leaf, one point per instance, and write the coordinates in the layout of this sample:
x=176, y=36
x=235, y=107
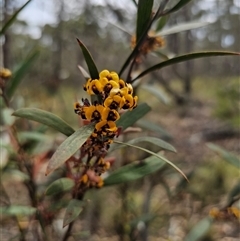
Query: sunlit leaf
x=157, y=53
x=148, y=125
x=183, y=58
x=18, y=75
x=145, y=218
x=15, y=210
x=153, y=140
x=93, y=71
x=143, y=16
x=73, y=210
x=134, y=171
x=116, y=26
x=46, y=118
x=229, y=157
x=130, y=117
x=6, y=115
x=178, y=6
x=157, y=92
x=14, y=174
x=12, y=19
x=59, y=186
x=182, y=27
x=69, y=147
x=84, y=72
x=199, y=230
x=154, y=154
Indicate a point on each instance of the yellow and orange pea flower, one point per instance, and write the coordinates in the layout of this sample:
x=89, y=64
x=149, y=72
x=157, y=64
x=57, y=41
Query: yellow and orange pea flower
x=5, y=73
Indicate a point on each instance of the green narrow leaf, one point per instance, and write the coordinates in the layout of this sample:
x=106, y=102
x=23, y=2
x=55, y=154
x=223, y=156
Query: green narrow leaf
x=143, y=17
x=159, y=54
x=73, y=210
x=182, y=27
x=157, y=92
x=153, y=140
x=89, y=60
x=61, y=185
x=19, y=74
x=46, y=118
x=148, y=125
x=157, y=155
x=69, y=147
x=161, y=23
x=12, y=19
x=139, y=42
x=15, y=210
x=183, y=58
x=199, y=230
x=234, y=193
x=134, y=171
x=178, y=6
x=229, y=157
x=130, y=117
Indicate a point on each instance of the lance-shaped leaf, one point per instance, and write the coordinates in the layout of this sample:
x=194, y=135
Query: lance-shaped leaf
x=182, y=27
x=199, y=230
x=130, y=117
x=148, y=125
x=15, y=210
x=161, y=23
x=73, y=210
x=229, y=157
x=185, y=57
x=69, y=147
x=234, y=194
x=46, y=118
x=154, y=154
x=15, y=81
x=143, y=16
x=61, y=185
x=12, y=19
x=157, y=92
x=93, y=71
x=178, y=6
x=153, y=140
x=134, y=171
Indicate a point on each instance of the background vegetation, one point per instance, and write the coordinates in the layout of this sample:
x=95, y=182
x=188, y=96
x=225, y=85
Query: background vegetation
x=197, y=103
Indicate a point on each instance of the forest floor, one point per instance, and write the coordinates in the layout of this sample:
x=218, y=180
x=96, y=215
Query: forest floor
x=191, y=126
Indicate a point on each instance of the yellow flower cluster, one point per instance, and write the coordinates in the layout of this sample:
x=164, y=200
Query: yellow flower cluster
x=113, y=94
x=225, y=214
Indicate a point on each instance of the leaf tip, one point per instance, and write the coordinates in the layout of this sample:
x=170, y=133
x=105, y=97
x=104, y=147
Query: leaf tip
x=48, y=171
x=79, y=42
